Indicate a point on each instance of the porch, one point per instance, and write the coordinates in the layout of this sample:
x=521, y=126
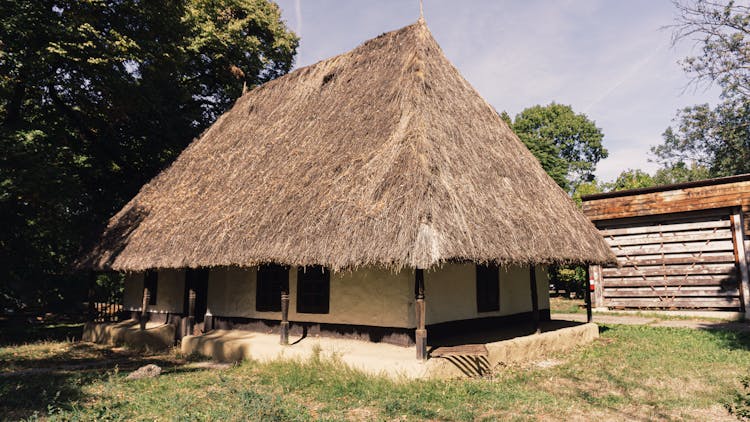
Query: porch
x=468, y=355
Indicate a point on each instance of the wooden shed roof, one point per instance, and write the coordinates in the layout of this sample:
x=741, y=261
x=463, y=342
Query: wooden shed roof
x=722, y=192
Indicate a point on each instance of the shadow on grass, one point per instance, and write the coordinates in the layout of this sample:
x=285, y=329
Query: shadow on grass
x=732, y=340
x=41, y=386
x=56, y=378
x=29, y=330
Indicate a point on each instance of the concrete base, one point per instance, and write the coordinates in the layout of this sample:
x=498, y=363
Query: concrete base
x=513, y=351
x=156, y=335
x=386, y=359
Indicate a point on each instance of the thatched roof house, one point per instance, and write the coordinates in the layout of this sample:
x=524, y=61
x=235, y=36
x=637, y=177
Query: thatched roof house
x=382, y=157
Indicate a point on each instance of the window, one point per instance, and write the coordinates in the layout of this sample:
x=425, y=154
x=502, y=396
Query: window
x=488, y=288
x=313, y=290
x=150, y=282
x=271, y=279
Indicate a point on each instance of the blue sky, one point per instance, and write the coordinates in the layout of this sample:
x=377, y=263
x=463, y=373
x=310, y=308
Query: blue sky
x=611, y=60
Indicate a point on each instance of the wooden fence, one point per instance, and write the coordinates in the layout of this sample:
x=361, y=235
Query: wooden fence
x=671, y=262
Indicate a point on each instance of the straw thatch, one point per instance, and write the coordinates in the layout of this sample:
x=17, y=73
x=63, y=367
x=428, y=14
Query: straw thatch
x=384, y=156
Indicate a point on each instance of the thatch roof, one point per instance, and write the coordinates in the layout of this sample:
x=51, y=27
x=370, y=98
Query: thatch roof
x=383, y=156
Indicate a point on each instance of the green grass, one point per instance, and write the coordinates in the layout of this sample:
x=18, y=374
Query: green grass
x=633, y=372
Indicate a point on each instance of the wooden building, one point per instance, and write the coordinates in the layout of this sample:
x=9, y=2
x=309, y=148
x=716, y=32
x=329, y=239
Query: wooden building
x=373, y=194
x=677, y=246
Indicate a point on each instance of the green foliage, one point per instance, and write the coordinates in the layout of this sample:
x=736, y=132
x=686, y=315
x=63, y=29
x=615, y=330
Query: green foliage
x=717, y=138
x=585, y=188
x=568, y=145
x=630, y=179
x=739, y=406
x=679, y=173
x=96, y=97
x=571, y=278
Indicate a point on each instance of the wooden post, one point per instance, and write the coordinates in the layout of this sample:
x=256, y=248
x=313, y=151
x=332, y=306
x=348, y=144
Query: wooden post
x=144, y=307
x=420, y=335
x=740, y=257
x=284, y=328
x=192, y=297
x=595, y=275
x=587, y=294
x=534, y=299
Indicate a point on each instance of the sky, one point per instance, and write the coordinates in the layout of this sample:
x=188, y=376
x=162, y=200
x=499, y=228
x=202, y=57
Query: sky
x=611, y=60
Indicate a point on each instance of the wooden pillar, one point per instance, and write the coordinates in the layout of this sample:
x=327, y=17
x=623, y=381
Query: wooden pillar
x=587, y=294
x=420, y=335
x=534, y=299
x=144, y=307
x=740, y=257
x=284, y=328
x=192, y=296
x=595, y=277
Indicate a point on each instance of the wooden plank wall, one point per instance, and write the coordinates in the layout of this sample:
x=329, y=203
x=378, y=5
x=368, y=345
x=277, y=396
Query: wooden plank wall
x=670, y=261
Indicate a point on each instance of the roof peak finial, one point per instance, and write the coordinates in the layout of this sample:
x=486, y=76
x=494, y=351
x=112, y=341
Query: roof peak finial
x=421, y=11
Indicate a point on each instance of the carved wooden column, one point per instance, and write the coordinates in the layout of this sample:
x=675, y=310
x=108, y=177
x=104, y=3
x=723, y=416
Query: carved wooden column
x=534, y=299
x=420, y=335
x=144, y=307
x=284, y=328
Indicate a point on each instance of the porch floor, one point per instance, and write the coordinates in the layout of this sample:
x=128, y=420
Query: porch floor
x=472, y=354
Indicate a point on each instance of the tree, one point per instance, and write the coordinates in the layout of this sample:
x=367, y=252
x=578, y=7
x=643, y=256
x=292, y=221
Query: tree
x=716, y=138
x=630, y=179
x=96, y=97
x=568, y=145
x=679, y=173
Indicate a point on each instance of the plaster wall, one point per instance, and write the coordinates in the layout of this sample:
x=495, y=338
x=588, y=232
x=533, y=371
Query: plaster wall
x=367, y=296
x=170, y=291
x=451, y=292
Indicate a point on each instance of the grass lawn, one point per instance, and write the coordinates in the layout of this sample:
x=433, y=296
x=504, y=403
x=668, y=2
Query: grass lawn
x=632, y=372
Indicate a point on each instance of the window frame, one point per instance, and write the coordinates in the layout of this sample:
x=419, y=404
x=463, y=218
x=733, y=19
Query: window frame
x=488, y=293
x=322, y=281
x=270, y=281
x=151, y=282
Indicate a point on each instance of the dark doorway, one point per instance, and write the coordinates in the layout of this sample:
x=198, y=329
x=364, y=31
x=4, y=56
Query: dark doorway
x=197, y=279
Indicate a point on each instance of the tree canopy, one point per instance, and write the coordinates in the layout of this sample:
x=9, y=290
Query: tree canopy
x=568, y=145
x=96, y=97
x=717, y=138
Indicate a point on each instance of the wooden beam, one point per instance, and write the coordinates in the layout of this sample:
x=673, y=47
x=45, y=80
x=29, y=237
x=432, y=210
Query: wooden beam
x=534, y=299
x=738, y=238
x=595, y=271
x=144, y=307
x=284, y=327
x=672, y=201
x=681, y=270
x=587, y=295
x=719, y=245
x=719, y=258
x=662, y=228
x=675, y=281
x=420, y=334
x=192, y=296
x=674, y=237
x=690, y=303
